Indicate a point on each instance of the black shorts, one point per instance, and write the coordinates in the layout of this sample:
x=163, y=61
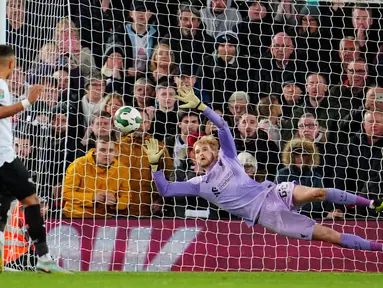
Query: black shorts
x=15, y=180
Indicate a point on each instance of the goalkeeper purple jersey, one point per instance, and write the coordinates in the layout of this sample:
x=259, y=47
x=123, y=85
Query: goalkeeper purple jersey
x=225, y=184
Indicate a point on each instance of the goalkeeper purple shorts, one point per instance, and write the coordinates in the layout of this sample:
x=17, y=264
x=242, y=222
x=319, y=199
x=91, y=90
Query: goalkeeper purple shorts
x=278, y=215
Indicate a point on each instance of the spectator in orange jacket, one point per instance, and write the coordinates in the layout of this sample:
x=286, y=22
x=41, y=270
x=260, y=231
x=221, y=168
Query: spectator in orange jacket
x=96, y=185
x=144, y=200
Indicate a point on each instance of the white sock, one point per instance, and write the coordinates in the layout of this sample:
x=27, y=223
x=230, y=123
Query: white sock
x=372, y=206
x=45, y=258
x=1, y=239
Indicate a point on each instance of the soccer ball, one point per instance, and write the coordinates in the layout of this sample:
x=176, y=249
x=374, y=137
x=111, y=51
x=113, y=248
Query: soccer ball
x=127, y=119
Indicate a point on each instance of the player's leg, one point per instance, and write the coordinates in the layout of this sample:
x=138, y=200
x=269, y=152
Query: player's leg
x=303, y=195
x=351, y=241
x=16, y=179
x=35, y=222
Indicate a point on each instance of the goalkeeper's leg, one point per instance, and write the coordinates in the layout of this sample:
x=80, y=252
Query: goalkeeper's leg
x=278, y=215
x=303, y=195
x=351, y=241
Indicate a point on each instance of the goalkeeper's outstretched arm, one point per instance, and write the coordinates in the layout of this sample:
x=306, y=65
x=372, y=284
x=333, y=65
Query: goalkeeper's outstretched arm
x=165, y=188
x=226, y=140
x=174, y=189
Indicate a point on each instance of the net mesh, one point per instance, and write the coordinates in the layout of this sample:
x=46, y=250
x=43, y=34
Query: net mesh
x=297, y=82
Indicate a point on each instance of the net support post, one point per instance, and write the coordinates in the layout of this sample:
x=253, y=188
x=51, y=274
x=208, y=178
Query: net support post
x=3, y=21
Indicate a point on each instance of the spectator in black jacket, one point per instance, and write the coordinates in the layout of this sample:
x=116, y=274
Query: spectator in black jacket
x=361, y=158
x=312, y=41
x=351, y=94
x=367, y=32
x=97, y=20
x=336, y=16
x=292, y=97
x=189, y=41
x=56, y=150
x=277, y=61
x=114, y=68
x=138, y=39
x=24, y=32
x=25, y=143
x=248, y=138
x=165, y=116
x=225, y=72
x=347, y=53
x=324, y=107
x=352, y=123
x=256, y=31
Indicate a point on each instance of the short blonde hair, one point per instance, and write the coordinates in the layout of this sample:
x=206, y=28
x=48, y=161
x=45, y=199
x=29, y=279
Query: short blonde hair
x=109, y=97
x=48, y=48
x=153, y=60
x=208, y=140
x=62, y=25
x=143, y=81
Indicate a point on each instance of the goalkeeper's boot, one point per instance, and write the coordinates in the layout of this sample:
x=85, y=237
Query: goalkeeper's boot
x=378, y=204
x=1, y=251
x=49, y=266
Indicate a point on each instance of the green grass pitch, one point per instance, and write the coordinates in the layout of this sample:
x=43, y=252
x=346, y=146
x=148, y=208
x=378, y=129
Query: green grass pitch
x=192, y=280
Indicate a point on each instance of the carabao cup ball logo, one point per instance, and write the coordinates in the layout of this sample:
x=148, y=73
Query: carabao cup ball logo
x=127, y=119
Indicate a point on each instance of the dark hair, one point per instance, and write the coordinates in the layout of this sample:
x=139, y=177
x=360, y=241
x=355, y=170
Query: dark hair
x=364, y=7
x=96, y=76
x=252, y=111
x=106, y=139
x=361, y=59
x=184, y=113
x=187, y=7
x=101, y=114
x=166, y=84
x=266, y=104
x=318, y=74
x=6, y=51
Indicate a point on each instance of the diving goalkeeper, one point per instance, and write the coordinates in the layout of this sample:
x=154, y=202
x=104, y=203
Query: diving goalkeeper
x=226, y=185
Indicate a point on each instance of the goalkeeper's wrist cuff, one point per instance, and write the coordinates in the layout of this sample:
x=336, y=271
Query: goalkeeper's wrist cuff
x=154, y=167
x=201, y=106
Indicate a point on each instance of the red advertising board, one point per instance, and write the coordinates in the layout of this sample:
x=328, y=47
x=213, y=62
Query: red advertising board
x=196, y=245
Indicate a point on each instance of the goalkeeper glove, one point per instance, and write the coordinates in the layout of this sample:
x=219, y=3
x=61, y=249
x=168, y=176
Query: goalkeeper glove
x=186, y=95
x=153, y=152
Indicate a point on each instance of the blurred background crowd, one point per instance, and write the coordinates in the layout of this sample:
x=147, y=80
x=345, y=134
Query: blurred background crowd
x=299, y=83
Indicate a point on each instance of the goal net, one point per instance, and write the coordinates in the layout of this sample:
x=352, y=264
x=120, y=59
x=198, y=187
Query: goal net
x=297, y=82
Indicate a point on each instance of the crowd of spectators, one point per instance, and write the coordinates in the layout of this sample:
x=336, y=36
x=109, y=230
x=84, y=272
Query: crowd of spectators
x=299, y=83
